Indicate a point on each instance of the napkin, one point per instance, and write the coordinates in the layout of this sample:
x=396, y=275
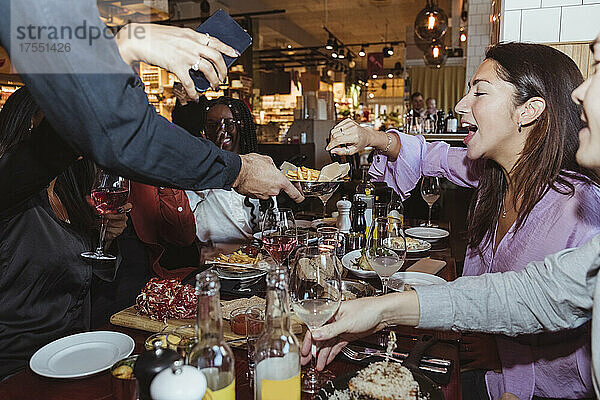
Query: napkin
x=427, y=265
x=286, y=166
x=333, y=172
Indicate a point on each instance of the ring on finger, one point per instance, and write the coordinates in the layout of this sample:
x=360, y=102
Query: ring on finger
x=196, y=66
x=207, y=39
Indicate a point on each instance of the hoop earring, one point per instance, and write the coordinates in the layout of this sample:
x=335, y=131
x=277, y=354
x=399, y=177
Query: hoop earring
x=520, y=126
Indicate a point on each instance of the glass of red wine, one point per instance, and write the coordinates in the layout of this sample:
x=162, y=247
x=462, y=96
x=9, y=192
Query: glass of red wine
x=279, y=234
x=109, y=193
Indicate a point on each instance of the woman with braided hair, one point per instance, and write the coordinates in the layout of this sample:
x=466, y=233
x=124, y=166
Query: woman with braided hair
x=224, y=216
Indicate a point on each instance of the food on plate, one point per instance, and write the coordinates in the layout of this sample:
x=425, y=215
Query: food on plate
x=384, y=380
x=239, y=257
x=167, y=298
x=411, y=244
x=303, y=174
x=362, y=262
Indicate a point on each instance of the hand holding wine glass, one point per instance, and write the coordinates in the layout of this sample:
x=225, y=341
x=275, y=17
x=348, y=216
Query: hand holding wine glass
x=279, y=234
x=430, y=191
x=315, y=286
x=109, y=193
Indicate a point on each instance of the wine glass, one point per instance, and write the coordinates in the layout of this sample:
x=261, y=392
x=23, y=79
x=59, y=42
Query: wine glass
x=279, y=234
x=430, y=191
x=315, y=290
x=386, y=248
x=109, y=193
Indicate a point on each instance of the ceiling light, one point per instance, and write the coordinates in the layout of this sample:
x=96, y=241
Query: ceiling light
x=342, y=53
x=390, y=75
x=330, y=42
x=334, y=54
x=463, y=37
x=374, y=76
x=289, y=46
x=390, y=51
x=371, y=95
x=362, y=51
x=352, y=64
x=431, y=22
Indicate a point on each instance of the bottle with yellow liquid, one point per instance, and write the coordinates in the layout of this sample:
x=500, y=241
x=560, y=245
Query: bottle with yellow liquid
x=211, y=355
x=277, y=353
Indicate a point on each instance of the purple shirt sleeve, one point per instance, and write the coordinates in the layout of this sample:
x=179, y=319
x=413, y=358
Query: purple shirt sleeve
x=418, y=158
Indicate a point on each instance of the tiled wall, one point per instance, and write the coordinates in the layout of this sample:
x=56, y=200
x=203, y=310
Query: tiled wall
x=479, y=33
x=550, y=21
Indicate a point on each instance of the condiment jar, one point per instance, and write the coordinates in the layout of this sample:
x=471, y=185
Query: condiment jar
x=180, y=382
x=151, y=363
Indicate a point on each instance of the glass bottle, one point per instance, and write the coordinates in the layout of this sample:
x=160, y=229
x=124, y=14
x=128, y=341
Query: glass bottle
x=277, y=351
x=211, y=355
x=451, y=122
x=365, y=186
x=395, y=208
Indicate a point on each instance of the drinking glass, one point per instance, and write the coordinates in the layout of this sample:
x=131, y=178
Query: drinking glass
x=430, y=191
x=386, y=248
x=188, y=338
x=279, y=234
x=109, y=193
x=255, y=325
x=331, y=239
x=315, y=290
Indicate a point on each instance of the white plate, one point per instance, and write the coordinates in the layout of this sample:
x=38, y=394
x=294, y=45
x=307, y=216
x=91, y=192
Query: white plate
x=348, y=263
x=304, y=224
x=413, y=279
x=81, y=354
x=224, y=274
x=427, y=233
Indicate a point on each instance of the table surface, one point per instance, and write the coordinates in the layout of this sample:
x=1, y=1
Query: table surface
x=27, y=385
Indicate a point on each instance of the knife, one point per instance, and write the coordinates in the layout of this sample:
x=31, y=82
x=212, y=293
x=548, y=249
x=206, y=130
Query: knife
x=401, y=356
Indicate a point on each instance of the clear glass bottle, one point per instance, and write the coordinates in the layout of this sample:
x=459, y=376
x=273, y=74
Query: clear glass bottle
x=395, y=208
x=451, y=122
x=211, y=355
x=277, y=351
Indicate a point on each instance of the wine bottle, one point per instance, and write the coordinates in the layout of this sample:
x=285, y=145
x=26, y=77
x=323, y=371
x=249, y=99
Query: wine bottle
x=365, y=186
x=451, y=122
x=211, y=355
x=277, y=350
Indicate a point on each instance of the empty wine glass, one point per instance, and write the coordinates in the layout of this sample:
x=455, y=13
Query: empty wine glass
x=315, y=289
x=109, y=193
x=279, y=234
x=386, y=248
x=430, y=191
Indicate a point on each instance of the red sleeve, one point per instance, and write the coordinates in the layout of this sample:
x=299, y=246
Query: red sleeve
x=177, y=225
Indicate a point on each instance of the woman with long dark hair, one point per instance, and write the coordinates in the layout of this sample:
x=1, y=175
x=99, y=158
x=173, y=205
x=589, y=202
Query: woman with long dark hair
x=225, y=216
x=532, y=198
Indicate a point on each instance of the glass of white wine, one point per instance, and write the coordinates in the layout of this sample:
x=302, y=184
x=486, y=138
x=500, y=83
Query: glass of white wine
x=430, y=191
x=386, y=248
x=315, y=288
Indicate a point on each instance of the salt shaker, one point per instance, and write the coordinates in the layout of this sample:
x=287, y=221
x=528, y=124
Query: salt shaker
x=343, y=219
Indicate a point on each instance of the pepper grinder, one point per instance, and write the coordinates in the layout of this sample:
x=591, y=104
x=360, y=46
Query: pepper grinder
x=343, y=219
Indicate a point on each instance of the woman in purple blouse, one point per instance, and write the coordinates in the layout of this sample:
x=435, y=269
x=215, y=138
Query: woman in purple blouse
x=532, y=199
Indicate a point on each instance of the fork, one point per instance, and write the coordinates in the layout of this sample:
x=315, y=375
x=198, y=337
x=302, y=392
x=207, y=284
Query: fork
x=358, y=356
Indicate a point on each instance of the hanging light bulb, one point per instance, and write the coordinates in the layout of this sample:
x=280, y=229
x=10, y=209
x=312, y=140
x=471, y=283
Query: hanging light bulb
x=374, y=76
x=390, y=51
x=362, y=51
x=390, y=75
x=334, y=52
x=436, y=56
x=431, y=22
x=342, y=53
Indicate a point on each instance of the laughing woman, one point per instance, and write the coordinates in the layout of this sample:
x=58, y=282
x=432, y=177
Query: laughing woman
x=532, y=198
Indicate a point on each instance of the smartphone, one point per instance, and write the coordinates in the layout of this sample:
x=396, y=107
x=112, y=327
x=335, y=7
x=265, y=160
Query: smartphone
x=221, y=26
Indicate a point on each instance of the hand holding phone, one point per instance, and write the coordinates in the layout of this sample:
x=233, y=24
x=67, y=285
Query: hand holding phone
x=221, y=26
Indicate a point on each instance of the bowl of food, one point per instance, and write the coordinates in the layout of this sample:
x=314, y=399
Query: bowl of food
x=122, y=379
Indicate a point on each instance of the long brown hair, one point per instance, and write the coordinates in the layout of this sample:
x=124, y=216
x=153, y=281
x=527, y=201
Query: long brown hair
x=548, y=158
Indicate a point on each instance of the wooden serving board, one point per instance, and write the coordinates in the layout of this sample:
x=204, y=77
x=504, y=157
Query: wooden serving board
x=129, y=318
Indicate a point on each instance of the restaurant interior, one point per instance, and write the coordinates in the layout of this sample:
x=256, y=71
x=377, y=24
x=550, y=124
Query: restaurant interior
x=399, y=66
